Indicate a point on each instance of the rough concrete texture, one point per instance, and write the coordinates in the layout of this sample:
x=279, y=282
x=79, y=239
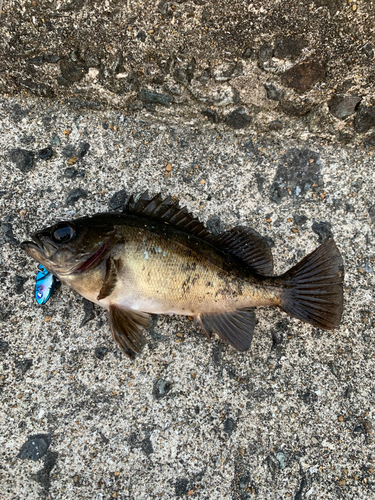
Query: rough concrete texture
x=171, y=97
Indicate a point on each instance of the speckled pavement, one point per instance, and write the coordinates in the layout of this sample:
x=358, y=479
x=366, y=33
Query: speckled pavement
x=291, y=418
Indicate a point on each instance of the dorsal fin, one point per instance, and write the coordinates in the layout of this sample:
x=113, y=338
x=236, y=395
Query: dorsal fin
x=247, y=245
x=244, y=243
x=168, y=211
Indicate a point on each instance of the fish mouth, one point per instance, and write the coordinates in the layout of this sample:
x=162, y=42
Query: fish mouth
x=32, y=246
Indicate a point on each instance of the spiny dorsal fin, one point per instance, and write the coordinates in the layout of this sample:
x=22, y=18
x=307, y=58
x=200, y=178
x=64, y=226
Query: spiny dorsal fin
x=127, y=329
x=168, y=211
x=110, y=280
x=249, y=246
x=236, y=327
x=245, y=244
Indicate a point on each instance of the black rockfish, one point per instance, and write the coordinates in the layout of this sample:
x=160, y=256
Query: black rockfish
x=157, y=258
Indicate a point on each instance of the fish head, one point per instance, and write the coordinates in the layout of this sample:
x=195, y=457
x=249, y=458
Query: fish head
x=72, y=247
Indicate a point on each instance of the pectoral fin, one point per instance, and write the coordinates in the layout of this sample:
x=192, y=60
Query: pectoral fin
x=235, y=327
x=110, y=280
x=127, y=329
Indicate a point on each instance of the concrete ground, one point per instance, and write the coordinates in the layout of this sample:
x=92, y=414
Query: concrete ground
x=294, y=416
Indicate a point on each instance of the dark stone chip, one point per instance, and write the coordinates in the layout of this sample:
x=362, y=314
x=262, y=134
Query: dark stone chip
x=133, y=440
x=247, y=53
x=83, y=150
x=46, y=153
x=302, y=485
x=309, y=397
x=50, y=58
x=18, y=113
x=24, y=365
x=88, y=308
x=43, y=475
x=181, y=487
x=260, y=180
x=163, y=7
x=181, y=76
x=6, y=234
x=275, y=125
x=304, y=75
x=369, y=50
x=238, y=119
x=100, y=352
x=105, y=125
x=349, y=208
x=299, y=219
x=4, y=346
x=75, y=195
x=39, y=89
x=265, y=53
x=371, y=212
x=23, y=159
x=211, y=115
x=118, y=200
x=323, y=230
x=69, y=151
x=344, y=137
x=273, y=92
x=146, y=446
x=215, y=225
x=229, y=426
x=161, y=388
x=19, y=281
x=141, y=36
x=5, y=312
x=343, y=106
x=27, y=139
x=35, y=447
x=288, y=47
x=244, y=481
x=364, y=119
x=369, y=140
x=71, y=72
x=295, y=174
x=36, y=60
x=155, y=97
x=294, y=109
x=70, y=172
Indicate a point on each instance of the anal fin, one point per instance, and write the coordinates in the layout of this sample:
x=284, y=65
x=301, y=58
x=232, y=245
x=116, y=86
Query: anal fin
x=127, y=329
x=236, y=327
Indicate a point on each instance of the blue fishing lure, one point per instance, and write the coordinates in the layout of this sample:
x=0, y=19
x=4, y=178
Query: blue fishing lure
x=44, y=286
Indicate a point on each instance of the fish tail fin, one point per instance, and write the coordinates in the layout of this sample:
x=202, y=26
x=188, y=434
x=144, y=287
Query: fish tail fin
x=313, y=289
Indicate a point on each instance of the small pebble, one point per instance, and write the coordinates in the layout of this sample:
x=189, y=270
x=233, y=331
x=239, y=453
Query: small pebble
x=72, y=161
x=46, y=153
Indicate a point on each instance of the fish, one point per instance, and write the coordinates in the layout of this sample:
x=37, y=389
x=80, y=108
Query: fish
x=157, y=258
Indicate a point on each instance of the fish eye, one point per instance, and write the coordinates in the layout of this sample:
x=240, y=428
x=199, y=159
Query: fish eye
x=62, y=233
